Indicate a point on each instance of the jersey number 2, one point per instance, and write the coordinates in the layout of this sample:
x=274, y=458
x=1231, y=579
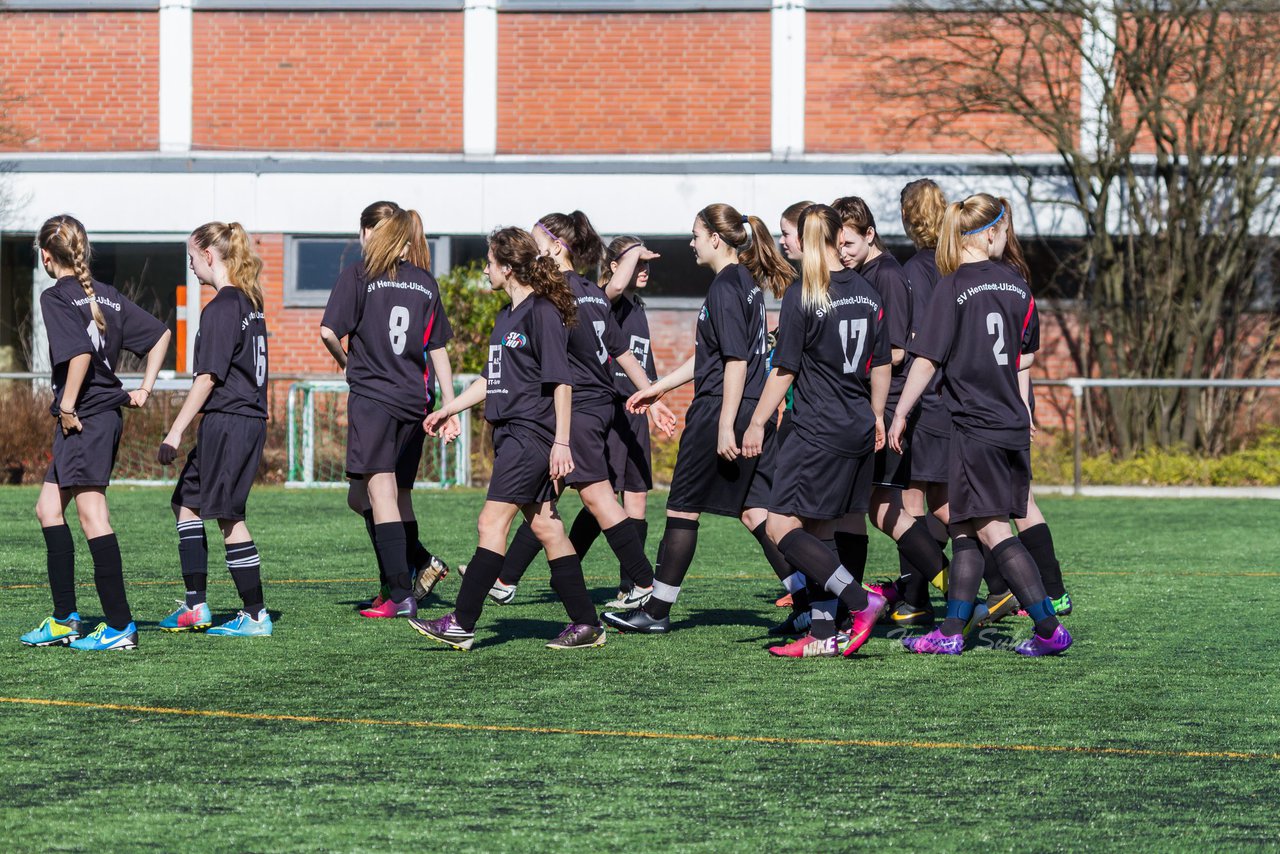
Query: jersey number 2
x=398, y=328
x=995, y=326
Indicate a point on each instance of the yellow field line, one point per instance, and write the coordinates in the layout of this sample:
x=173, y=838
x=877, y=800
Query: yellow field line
x=655, y=736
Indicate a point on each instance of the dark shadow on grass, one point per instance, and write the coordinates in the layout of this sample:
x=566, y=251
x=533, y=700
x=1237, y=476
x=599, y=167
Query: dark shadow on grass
x=522, y=629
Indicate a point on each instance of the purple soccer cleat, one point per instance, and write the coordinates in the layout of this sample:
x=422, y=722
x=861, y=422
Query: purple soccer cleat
x=1055, y=644
x=935, y=643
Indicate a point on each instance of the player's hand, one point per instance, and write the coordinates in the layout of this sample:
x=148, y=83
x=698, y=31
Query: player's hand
x=451, y=429
x=727, y=443
x=70, y=423
x=432, y=422
x=138, y=398
x=896, y=430
x=647, y=254
x=664, y=418
x=880, y=436
x=1034, y=428
x=753, y=440
x=561, y=461
x=640, y=402
x=168, y=450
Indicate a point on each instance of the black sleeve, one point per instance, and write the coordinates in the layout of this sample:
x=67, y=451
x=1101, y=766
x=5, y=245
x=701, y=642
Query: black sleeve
x=341, y=312
x=882, y=349
x=438, y=332
x=614, y=341
x=936, y=335
x=64, y=324
x=1031, y=332
x=553, y=346
x=728, y=314
x=791, y=332
x=897, y=308
x=216, y=343
x=140, y=330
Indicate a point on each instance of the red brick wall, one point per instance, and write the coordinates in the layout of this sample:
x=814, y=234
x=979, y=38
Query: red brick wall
x=850, y=60
x=87, y=81
x=363, y=81
x=633, y=83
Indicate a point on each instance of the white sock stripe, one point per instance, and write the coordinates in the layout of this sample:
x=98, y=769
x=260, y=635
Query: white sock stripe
x=795, y=582
x=665, y=592
x=823, y=610
x=246, y=563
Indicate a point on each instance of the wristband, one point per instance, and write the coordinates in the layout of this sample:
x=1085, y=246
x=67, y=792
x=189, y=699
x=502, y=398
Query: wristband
x=565, y=444
x=628, y=249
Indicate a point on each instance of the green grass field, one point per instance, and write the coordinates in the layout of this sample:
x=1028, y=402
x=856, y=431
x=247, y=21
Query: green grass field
x=1159, y=730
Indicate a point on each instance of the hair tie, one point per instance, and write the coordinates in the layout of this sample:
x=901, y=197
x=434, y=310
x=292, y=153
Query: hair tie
x=746, y=220
x=999, y=217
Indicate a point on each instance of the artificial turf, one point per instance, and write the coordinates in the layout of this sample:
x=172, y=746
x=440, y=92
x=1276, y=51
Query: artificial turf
x=1159, y=730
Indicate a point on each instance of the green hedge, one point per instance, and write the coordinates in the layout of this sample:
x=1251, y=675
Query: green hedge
x=1256, y=465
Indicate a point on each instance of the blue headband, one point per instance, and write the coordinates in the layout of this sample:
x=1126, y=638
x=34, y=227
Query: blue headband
x=999, y=217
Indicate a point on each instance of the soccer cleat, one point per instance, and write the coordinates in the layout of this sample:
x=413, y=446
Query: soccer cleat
x=796, y=624
x=977, y=618
x=579, y=636
x=783, y=601
x=887, y=589
x=1036, y=646
x=446, y=630
x=863, y=622
x=935, y=643
x=940, y=580
x=502, y=593
x=390, y=609
x=811, y=647
x=244, y=626
x=105, y=638
x=384, y=593
x=428, y=576
x=188, y=619
x=999, y=606
x=905, y=614
x=629, y=600
x=637, y=621
x=1062, y=605
x=55, y=632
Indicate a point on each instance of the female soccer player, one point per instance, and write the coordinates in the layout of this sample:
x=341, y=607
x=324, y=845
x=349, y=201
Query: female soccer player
x=527, y=395
x=230, y=390
x=390, y=311
x=595, y=342
x=728, y=373
x=981, y=329
x=834, y=347
x=88, y=324
x=918, y=550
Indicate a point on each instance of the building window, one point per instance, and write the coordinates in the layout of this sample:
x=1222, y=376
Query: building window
x=312, y=265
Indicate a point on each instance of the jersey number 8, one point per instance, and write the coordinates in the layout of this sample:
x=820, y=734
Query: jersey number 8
x=398, y=328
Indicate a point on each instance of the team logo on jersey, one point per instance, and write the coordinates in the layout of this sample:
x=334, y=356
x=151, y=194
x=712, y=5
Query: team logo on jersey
x=702, y=315
x=640, y=349
x=515, y=339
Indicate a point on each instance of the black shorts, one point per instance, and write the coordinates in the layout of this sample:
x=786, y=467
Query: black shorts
x=893, y=469
x=378, y=442
x=630, y=454
x=703, y=482
x=987, y=481
x=86, y=458
x=521, y=466
x=220, y=469
x=784, y=428
x=588, y=442
x=930, y=456
x=813, y=483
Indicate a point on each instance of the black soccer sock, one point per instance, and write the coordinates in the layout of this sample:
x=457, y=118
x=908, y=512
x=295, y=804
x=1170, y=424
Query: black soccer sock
x=675, y=554
x=625, y=541
x=1039, y=542
x=852, y=549
x=966, y=577
x=642, y=532
x=108, y=576
x=61, y=564
x=996, y=585
x=921, y=549
x=373, y=541
x=193, y=555
x=567, y=582
x=912, y=585
x=583, y=532
x=482, y=570
x=415, y=552
x=1018, y=568
x=524, y=547
x=390, y=543
x=776, y=561
x=806, y=553
x=245, y=566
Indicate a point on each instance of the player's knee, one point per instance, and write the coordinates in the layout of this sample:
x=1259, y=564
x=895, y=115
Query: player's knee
x=49, y=513
x=777, y=527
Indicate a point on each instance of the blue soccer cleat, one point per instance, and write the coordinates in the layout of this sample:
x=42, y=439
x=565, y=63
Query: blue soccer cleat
x=106, y=638
x=54, y=632
x=188, y=619
x=244, y=626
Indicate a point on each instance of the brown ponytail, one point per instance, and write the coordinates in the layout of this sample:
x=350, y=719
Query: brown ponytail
x=754, y=244
x=67, y=243
x=576, y=233
x=419, y=250
x=514, y=247
x=923, y=205
x=232, y=244
x=1013, y=255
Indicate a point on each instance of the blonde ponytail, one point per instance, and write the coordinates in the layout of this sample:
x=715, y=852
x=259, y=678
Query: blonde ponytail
x=963, y=220
x=819, y=227
x=231, y=243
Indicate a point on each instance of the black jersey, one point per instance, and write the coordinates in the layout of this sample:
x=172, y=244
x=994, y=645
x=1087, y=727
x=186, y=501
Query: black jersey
x=922, y=273
x=528, y=358
x=731, y=325
x=981, y=320
x=594, y=342
x=628, y=313
x=68, y=321
x=832, y=353
x=231, y=347
x=391, y=325
x=890, y=280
